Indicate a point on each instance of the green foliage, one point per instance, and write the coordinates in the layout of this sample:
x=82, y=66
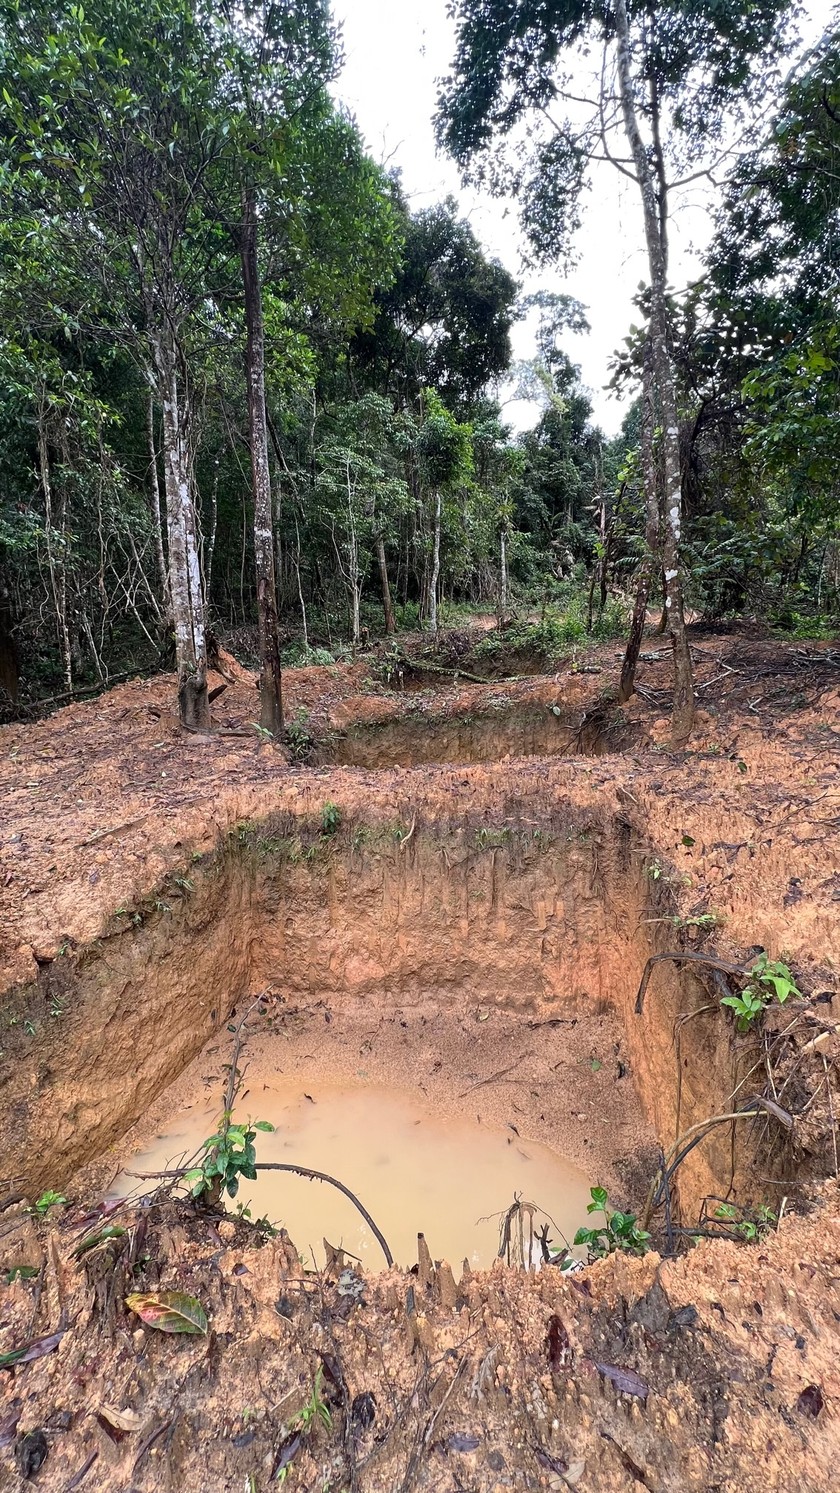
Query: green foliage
x=619, y=1231
x=771, y=981
x=330, y=818
x=228, y=1155
x=299, y=736
x=751, y=1225
x=49, y=1199
x=20, y=1272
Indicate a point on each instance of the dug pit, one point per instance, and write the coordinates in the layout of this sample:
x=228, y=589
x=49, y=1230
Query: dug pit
x=487, y=973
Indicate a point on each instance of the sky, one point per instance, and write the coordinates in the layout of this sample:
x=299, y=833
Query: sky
x=395, y=52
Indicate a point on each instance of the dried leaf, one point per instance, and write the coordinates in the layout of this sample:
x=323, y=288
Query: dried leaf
x=559, y=1347
x=811, y=1400
x=363, y=1410
x=121, y=1420
x=31, y=1453
x=461, y=1442
x=332, y=1372
x=627, y=1381
x=8, y=1425
x=685, y=1317
x=169, y=1311
x=551, y=1464
x=287, y=1453
x=30, y=1351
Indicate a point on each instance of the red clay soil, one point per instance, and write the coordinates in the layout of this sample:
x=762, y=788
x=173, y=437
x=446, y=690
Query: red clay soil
x=102, y=799
x=716, y=1370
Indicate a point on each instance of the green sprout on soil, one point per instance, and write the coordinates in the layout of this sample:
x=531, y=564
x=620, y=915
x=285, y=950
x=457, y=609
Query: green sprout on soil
x=771, y=980
x=228, y=1155
x=330, y=818
x=47, y=1200
x=316, y=1409
x=617, y=1234
x=749, y=1226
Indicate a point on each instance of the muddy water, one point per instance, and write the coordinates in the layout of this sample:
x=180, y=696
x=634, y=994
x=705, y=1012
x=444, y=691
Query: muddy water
x=414, y=1171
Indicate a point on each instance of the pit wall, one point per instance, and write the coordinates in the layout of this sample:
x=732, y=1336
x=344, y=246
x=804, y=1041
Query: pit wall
x=483, y=737
x=551, y=921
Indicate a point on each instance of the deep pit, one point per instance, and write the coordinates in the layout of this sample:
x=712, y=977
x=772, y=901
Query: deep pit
x=494, y=729
x=416, y=1170
x=454, y=941
x=489, y=972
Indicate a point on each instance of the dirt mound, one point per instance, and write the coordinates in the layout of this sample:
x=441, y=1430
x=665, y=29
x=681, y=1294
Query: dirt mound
x=717, y=1370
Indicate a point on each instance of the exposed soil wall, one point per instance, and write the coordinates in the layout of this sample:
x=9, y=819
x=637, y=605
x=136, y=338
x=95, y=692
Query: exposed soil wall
x=505, y=732
x=553, y=923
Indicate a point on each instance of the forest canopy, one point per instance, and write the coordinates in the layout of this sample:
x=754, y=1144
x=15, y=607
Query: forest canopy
x=249, y=393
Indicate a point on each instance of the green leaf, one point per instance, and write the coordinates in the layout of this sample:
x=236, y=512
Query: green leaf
x=90, y=1241
x=30, y=1351
x=265, y=1125
x=169, y=1311
x=599, y=1198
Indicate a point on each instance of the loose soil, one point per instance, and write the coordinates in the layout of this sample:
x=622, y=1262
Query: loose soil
x=474, y=932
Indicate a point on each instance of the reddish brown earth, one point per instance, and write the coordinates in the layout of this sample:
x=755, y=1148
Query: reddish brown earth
x=534, y=887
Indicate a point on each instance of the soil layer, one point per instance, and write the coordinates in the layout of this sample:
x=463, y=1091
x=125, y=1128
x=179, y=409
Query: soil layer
x=480, y=927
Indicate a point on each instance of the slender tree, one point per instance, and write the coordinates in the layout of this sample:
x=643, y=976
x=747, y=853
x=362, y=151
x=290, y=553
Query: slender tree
x=678, y=68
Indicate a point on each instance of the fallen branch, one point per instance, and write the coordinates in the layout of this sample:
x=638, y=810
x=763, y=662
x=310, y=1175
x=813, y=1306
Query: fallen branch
x=495, y=1077
x=115, y=829
x=305, y=1171
x=692, y=1137
x=300, y=1171
x=684, y=956
x=428, y=668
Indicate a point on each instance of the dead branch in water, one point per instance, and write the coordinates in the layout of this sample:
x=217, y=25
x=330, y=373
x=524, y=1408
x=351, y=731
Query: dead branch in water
x=175, y=1173
x=232, y=1088
x=306, y=1171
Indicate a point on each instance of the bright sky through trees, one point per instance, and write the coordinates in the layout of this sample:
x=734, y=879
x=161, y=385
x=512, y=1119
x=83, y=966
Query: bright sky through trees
x=394, y=55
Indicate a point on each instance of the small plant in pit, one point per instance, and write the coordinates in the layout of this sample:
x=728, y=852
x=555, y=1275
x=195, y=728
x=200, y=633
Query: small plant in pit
x=20, y=1272
x=316, y=1408
x=618, y=1232
x=330, y=818
x=492, y=839
x=47, y=1200
x=751, y=1225
x=268, y=1229
x=770, y=980
x=228, y=1155
x=299, y=736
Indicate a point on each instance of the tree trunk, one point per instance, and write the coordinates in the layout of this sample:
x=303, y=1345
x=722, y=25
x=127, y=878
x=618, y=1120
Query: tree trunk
x=503, y=578
x=58, y=574
x=271, y=690
x=303, y=617
x=9, y=673
x=650, y=560
x=435, y=576
x=185, y=588
x=154, y=506
x=387, y=604
x=682, y=718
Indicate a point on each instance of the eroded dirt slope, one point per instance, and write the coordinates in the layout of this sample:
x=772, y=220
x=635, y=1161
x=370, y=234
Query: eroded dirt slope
x=718, y=1370
x=101, y=799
